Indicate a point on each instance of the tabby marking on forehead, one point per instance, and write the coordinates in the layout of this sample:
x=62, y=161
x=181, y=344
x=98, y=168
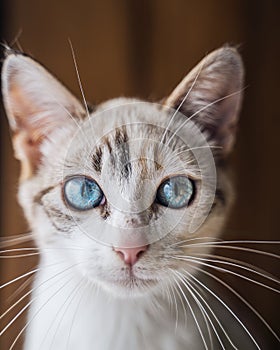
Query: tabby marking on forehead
x=118, y=149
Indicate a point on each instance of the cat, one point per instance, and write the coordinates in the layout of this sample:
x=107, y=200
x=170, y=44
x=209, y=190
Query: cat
x=125, y=201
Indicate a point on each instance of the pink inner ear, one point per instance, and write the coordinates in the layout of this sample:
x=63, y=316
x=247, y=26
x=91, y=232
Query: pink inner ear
x=36, y=104
x=24, y=111
x=28, y=153
x=28, y=133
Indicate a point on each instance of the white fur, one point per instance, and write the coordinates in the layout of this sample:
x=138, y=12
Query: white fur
x=84, y=295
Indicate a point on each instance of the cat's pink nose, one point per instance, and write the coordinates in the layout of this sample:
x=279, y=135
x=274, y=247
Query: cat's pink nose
x=130, y=255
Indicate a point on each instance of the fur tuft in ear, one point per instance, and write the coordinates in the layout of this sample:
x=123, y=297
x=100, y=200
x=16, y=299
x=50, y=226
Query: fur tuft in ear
x=36, y=104
x=211, y=95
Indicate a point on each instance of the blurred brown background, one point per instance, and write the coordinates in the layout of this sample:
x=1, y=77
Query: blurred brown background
x=143, y=48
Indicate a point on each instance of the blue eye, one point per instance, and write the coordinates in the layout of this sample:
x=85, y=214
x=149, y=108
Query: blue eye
x=82, y=193
x=176, y=192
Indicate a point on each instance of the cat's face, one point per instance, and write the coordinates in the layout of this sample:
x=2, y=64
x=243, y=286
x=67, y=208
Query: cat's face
x=115, y=191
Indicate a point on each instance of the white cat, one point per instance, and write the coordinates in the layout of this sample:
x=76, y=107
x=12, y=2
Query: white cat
x=124, y=203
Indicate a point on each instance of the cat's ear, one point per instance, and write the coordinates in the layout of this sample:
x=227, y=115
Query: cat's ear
x=211, y=95
x=36, y=104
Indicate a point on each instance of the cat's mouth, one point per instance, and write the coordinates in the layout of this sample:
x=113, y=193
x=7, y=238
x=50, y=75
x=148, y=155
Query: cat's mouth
x=131, y=282
x=134, y=287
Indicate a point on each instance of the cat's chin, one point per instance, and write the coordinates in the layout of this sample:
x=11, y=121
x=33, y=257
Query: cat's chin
x=130, y=288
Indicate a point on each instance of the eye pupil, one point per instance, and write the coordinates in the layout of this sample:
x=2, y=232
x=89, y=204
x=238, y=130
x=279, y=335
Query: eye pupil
x=82, y=193
x=83, y=190
x=176, y=192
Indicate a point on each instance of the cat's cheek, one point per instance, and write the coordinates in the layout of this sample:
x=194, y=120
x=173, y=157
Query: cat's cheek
x=37, y=218
x=26, y=193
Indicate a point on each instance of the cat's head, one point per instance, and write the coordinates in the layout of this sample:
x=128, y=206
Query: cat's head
x=123, y=190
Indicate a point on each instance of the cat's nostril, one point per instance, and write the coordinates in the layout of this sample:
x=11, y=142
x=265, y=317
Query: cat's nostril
x=131, y=221
x=130, y=255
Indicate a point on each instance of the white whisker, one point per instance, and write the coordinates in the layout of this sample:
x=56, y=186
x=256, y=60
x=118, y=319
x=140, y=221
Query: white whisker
x=176, y=309
x=32, y=300
x=201, y=262
x=27, y=274
x=19, y=255
x=23, y=308
x=74, y=316
x=242, y=299
x=182, y=102
x=35, y=288
x=191, y=240
x=20, y=289
x=68, y=300
x=20, y=277
x=195, y=148
x=38, y=311
x=226, y=306
x=79, y=79
x=204, y=313
x=253, y=268
x=201, y=110
x=189, y=281
x=221, y=245
x=34, y=248
x=16, y=239
x=190, y=308
x=182, y=303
